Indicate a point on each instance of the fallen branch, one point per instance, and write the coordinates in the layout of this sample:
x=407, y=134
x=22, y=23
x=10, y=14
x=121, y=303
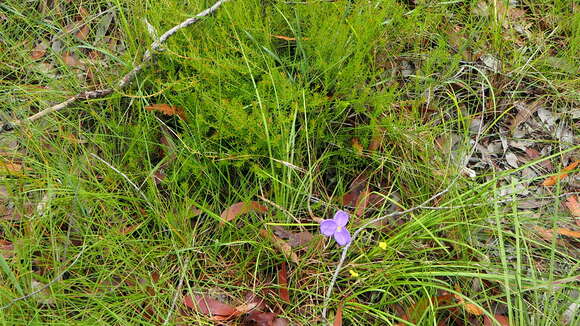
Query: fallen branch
x=123, y=82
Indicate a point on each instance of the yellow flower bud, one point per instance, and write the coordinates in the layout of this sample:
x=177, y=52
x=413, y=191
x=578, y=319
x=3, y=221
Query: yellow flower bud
x=383, y=245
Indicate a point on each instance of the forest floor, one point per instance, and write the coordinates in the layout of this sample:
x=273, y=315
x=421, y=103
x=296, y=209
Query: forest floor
x=194, y=195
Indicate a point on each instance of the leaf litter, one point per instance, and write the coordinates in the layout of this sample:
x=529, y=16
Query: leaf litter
x=241, y=208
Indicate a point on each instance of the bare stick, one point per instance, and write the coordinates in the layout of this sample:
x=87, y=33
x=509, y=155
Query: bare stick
x=47, y=285
x=123, y=82
x=121, y=174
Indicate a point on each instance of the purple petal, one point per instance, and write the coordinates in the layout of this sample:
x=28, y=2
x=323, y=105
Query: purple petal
x=328, y=227
x=341, y=218
x=342, y=237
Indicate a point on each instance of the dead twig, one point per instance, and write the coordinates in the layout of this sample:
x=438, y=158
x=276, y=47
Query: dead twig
x=123, y=82
x=177, y=292
x=121, y=174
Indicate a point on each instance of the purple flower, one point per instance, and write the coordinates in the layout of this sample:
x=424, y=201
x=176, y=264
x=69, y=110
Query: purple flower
x=337, y=228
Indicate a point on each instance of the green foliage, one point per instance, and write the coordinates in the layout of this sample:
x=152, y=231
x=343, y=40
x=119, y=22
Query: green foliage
x=272, y=117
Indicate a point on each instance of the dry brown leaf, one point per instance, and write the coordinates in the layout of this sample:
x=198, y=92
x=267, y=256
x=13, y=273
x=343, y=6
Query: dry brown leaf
x=294, y=239
x=469, y=307
x=83, y=13
x=338, y=317
x=357, y=146
x=206, y=305
x=280, y=322
x=525, y=111
x=82, y=33
x=70, y=59
x=6, y=248
x=351, y=198
x=473, y=309
x=281, y=245
x=10, y=167
x=241, y=208
x=167, y=110
x=573, y=206
x=283, y=282
x=260, y=318
x=288, y=38
x=544, y=233
x=568, y=233
x=39, y=50
x=376, y=140
x=362, y=203
x=195, y=211
x=548, y=234
x=502, y=320
x=129, y=229
x=550, y=181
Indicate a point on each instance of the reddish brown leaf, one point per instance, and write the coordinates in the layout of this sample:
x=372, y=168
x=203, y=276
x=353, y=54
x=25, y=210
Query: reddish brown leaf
x=550, y=181
x=532, y=153
x=70, y=59
x=241, y=208
x=362, y=203
x=281, y=322
x=195, y=211
x=377, y=139
x=39, y=50
x=211, y=307
x=548, y=234
x=298, y=239
x=338, y=317
x=573, y=206
x=502, y=320
x=9, y=167
x=281, y=245
x=359, y=184
x=83, y=13
x=258, y=302
x=469, y=307
x=6, y=248
x=129, y=229
x=568, y=233
x=283, y=282
x=83, y=32
x=288, y=38
x=544, y=233
x=155, y=276
x=167, y=110
x=260, y=318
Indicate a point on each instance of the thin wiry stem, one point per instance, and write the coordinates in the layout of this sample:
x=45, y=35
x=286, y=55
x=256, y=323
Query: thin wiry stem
x=123, y=82
x=177, y=292
x=121, y=174
x=423, y=205
x=47, y=285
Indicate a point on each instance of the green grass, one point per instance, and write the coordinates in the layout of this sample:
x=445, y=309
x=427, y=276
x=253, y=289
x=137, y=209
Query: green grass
x=255, y=103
